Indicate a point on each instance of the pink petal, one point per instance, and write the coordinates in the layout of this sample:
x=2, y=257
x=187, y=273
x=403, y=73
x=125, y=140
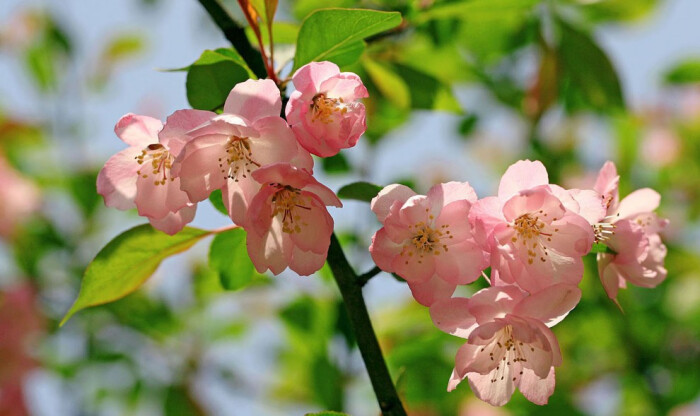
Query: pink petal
x=237, y=196
x=178, y=124
x=452, y=316
x=198, y=166
x=139, y=131
x=316, y=226
x=416, y=210
x=384, y=251
x=493, y=302
x=173, y=222
x=609, y=275
x=536, y=201
x=445, y=193
x=428, y=292
x=551, y=304
x=345, y=85
x=414, y=266
x=454, y=380
x=156, y=200
x=495, y=393
x=254, y=99
x=308, y=78
x=461, y=264
x=639, y=202
x=453, y=220
x=522, y=175
x=382, y=203
x=484, y=215
x=116, y=182
x=272, y=250
x=607, y=185
x=536, y=389
x=306, y=263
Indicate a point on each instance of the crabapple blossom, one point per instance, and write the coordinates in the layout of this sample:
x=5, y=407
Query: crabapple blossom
x=631, y=230
x=140, y=176
x=223, y=151
x=426, y=239
x=509, y=341
x=533, y=239
x=323, y=111
x=288, y=224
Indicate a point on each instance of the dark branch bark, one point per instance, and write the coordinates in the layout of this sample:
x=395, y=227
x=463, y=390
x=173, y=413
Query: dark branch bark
x=364, y=277
x=351, y=290
x=236, y=35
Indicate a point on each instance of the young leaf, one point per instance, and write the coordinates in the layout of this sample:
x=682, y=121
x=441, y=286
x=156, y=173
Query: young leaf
x=361, y=191
x=427, y=92
x=215, y=199
x=229, y=258
x=211, y=78
x=127, y=261
x=686, y=72
x=337, y=34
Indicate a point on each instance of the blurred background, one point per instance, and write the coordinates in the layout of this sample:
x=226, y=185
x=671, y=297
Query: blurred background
x=460, y=91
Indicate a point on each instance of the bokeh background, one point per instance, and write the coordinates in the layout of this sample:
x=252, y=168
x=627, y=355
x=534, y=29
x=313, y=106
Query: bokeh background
x=462, y=90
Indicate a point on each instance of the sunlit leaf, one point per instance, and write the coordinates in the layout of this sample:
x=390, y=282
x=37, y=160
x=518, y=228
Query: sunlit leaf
x=216, y=199
x=686, y=72
x=335, y=164
x=228, y=256
x=337, y=34
x=427, y=92
x=212, y=77
x=389, y=84
x=475, y=9
x=361, y=191
x=125, y=263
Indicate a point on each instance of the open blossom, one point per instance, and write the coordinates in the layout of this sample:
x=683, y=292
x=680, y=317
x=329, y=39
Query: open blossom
x=140, y=176
x=288, y=223
x=224, y=151
x=631, y=230
x=19, y=199
x=426, y=239
x=533, y=238
x=323, y=111
x=509, y=341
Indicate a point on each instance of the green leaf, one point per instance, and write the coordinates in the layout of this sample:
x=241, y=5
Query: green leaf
x=601, y=248
x=390, y=85
x=475, y=9
x=228, y=257
x=327, y=382
x=335, y=164
x=216, y=199
x=127, y=261
x=589, y=80
x=337, y=34
x=361, y=191
x=686, y=72
x=212, y=77
x=427, y=92
x=282, y=32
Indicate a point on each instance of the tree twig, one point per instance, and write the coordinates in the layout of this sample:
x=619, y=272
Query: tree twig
x=364, y=277
x=351, y=290
x=236, y=35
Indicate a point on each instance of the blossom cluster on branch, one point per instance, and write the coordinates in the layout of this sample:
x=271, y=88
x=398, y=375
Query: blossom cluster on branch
x=533, y=236
x=261, y=164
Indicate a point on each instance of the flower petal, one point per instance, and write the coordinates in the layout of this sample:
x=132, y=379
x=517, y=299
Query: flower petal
x=522, y=175
x=254, y=99
x=136, y=130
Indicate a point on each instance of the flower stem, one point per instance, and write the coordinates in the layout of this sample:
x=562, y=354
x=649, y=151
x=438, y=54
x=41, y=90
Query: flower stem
x=236, y=35
x=351, y=290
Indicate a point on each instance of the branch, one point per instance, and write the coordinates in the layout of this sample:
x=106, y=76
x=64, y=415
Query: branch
x=351, y=291
x=236, y=35
x=364, y=277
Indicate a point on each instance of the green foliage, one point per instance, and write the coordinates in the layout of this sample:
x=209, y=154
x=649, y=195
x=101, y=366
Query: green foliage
x=361, y=191
x=589, y=80
x=127, y=261
x=216, y=200
x=476, y=9
x=229, y=258
x=337, y=35
x=327, y=413
x=212, y=77
x=337, y=164
x=685, y=72
x=601, y=248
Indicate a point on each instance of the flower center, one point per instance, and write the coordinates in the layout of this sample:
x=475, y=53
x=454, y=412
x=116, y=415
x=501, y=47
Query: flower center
x=324, y=108
x=286, y=202
x=239, y=158
x=426, y=240
x=158, y=160
x=528, y=228
x=506, y=350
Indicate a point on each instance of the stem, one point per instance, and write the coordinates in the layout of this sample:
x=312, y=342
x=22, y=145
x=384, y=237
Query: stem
x=351, y=290
x=364, y=277
x=236, y=35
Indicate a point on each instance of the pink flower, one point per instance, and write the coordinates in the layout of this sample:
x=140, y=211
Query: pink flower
x=140, y=177
x=224, y=151
x=427, y=240
x=533, y=239
x=19, y=199
x=288, y=223
x=323, y=111
x=631, y=230
x=510, y=344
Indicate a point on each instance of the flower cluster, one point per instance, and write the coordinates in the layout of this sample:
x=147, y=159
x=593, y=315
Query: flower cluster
x=533, y=236
x=261, y=164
